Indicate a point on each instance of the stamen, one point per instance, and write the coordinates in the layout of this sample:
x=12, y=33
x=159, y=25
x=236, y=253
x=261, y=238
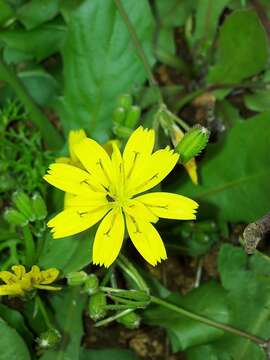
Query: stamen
x=146, y=182
x=107, y=233
x=81, y=214
x=103, y=169
x=137, y=230
x=157, y=206
x=110, y=198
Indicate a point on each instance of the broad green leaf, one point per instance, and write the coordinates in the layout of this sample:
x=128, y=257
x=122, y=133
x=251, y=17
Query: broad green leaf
x=100, y=62
x=36, y=12
x=67, y=254
x=234, y=174
x=207, y=300
x=174, y=13
x=242, y=49
x=68, y=307
x=248, y=296
x=6, y=12
x=12, y=345
x=38, y=43
x=258, y=101
x=105, y=354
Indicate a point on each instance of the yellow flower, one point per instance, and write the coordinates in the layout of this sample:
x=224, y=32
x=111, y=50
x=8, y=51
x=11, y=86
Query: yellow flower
x=18, y=282
x=106, y=190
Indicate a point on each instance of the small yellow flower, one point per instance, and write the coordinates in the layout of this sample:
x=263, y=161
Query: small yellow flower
x=18, y=282
x=106, y=190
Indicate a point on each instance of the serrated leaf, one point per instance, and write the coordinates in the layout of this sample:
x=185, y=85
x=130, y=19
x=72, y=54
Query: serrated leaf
x=234, y=174
x=207, y=300
x=100, y=62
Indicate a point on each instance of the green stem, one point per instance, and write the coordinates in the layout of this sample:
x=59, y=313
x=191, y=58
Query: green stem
x=29, y=245
x=49, y=133
x=43, y=312
x=207, y=321
x=113, y=318
x=139, y=49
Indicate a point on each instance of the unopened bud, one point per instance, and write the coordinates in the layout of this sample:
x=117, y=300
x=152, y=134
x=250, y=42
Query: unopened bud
x=125, y=101
x=49, y=339
x=23, y=204
x=91, y=284
x=97, y=306
x=193, y=142
x=132, y=117
x=119, y=115
x=14, y=217
x=130, y=320
x=39, y=207
x=76, y=278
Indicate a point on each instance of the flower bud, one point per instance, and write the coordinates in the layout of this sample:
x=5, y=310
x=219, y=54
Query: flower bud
x=130, y=320
x=14, y=217
x=23, y=204
x=125, y=101
x=49, y=339
x=91, y=284
x=97, y=306
x=132, y=117
x=193, y=142
x=119, y=115
x=76, y=278
x=39, y=206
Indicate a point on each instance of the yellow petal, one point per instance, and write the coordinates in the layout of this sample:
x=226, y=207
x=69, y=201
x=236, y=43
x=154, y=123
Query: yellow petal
x=191, y=168
x=18, y=270
x=49, y=276
x=87, y=201
x=136, y=208
x=146, y=239
x=48, y=287
x=74, y=138
x=118, y=175
x=154, y=169
x=139, y=146
x=170, y=206
x=73, y=221
x=95, y=160
x=67, y=198
x=109, y=238
x=8, y=277
x=108, y=146
x=12, y=290
x=72, y=179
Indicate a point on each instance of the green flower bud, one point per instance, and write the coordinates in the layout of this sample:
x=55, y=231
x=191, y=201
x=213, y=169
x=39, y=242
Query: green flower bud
x=97, y=306
x=125, y=101
x=193, y=142
x=119, y=115
x=76, y=278
x=132, y=117
x=23, y=204
x=39, y=207
x=14, y=217
x=130, y=320
x=49, y=339
x=91, y=284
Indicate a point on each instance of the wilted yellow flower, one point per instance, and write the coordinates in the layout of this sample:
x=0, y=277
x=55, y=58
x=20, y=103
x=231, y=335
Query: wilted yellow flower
x=106, y=190
x=20, y=281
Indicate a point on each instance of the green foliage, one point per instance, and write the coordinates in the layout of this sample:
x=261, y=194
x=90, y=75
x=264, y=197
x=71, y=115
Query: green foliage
x=100, y=67
x=234, y=176
x=113, y=354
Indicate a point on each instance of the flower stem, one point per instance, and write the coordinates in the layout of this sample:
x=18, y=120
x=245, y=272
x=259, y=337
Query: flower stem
x=207, y=321
x=114, y=317
x=43, y=312
x=29, y=245
x=139, y=49
x=132, y=272
x=49, y=133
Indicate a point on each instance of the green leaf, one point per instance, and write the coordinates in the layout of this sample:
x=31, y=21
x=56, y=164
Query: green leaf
x=242, y=49
x=207, y=300
x=100, y=62
x=67, y=254
x=12, y=345
x=174, y=13
x=234, y=174
x=68, y=307
x=105, y=354
x=38, y=43
x=258, y=101
x=36, y=12
x=246, y=280
x=6, y=12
